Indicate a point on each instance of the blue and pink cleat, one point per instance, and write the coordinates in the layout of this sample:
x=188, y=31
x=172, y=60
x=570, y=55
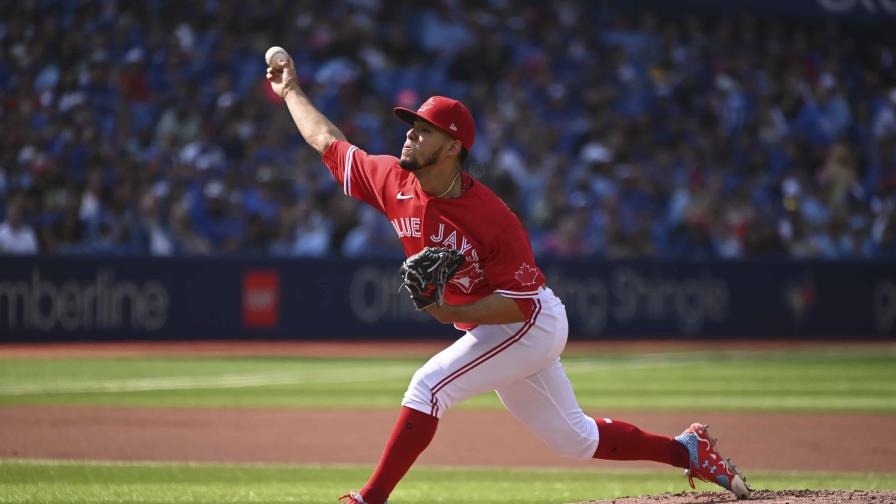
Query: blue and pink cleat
x=708, y=465
x=353, y=497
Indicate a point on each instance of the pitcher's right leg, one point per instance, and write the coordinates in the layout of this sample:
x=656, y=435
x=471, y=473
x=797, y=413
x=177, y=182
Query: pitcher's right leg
x=623, y=441
x=546, y=403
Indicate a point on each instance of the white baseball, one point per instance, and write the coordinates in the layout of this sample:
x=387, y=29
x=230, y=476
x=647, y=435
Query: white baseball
x=276, y=57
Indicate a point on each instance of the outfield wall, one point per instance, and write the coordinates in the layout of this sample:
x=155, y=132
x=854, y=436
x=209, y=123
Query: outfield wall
x=135, y=298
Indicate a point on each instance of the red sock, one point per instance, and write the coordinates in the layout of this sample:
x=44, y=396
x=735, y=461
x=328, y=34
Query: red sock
x=411, y=435
x=623, y=441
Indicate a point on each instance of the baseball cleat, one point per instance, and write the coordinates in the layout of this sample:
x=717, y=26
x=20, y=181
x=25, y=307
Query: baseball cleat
x=353, y=497
x=708, y=465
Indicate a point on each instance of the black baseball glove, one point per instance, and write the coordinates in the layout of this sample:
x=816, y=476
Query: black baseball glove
x=425, y=274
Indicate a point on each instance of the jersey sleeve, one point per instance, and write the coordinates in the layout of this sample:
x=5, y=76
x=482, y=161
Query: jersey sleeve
x=362, y=176
x=511, y=268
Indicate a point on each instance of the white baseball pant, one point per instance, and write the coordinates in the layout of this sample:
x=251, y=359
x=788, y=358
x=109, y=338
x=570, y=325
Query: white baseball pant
x=521, y=362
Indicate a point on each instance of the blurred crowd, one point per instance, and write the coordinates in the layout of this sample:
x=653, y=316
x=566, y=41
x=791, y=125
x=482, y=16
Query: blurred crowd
x=148, y=128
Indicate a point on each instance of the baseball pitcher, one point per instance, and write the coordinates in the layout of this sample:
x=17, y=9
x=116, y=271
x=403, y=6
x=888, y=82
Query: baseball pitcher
x=470, y=264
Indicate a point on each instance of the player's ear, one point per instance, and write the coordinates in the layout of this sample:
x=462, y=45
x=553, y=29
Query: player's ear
x=455, y=148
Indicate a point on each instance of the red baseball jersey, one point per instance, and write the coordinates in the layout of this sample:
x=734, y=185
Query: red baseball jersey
x=478, y=224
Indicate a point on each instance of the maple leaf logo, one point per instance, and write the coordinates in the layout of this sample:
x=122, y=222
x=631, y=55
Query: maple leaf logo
x=526, y=275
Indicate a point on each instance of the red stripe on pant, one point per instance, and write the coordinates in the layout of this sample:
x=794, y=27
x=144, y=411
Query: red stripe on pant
x=504, y=345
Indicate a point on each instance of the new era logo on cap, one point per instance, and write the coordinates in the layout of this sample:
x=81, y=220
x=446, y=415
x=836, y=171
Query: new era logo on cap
x=447, y=114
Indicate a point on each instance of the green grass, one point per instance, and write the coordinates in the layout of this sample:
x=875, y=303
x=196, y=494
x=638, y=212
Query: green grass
x=816, y=380
x=68, y=482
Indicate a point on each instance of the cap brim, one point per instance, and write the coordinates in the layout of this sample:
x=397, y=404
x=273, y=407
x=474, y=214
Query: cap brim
x=407, y=115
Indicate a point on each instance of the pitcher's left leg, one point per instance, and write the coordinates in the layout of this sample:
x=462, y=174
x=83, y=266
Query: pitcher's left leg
x=478, y=362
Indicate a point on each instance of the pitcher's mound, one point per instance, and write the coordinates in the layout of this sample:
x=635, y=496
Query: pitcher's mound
x=765, y=496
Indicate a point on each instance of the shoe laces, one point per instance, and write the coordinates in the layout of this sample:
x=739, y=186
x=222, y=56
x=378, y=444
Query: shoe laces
x=352, y=497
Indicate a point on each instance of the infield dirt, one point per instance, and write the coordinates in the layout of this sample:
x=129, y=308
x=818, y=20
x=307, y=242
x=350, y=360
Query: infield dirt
x=755, y=441
x=764, y=496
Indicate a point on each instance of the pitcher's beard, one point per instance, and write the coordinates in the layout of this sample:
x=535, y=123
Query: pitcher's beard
x=412, y=165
